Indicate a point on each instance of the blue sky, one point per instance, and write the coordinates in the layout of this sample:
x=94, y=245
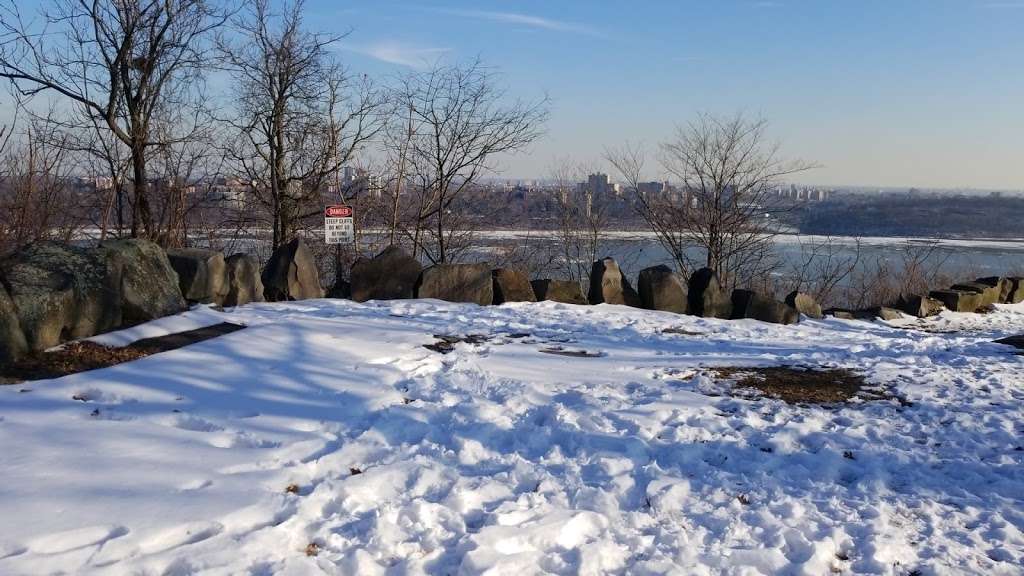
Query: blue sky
x=886, y=92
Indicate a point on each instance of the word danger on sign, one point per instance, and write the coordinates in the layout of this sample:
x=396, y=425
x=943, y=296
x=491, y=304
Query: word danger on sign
x=338, y=225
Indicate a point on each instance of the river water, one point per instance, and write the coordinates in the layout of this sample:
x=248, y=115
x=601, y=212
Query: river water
x=967, y=258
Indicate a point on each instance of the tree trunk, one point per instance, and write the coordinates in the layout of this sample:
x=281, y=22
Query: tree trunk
x=140, y=190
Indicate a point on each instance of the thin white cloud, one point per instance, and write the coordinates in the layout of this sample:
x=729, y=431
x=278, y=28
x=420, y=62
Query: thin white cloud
x=400, y=53
x=527, y=20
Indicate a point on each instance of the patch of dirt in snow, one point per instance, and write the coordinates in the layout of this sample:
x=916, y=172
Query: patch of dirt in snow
x=69, y=359
x=798, y=385
x=559, y=351
x=82, y=356
x=446, y=343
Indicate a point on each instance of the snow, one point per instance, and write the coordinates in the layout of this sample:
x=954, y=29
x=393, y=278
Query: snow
x=499, y=459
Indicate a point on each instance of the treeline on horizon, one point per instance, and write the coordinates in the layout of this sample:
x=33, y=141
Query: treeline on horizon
x=958, y=216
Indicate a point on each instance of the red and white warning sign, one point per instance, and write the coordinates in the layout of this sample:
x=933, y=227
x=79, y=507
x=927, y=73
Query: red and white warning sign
x=338, y=225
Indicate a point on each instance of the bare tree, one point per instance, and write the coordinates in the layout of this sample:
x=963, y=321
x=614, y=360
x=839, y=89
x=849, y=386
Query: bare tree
x=299, y=115
x=119, y=61
x=726, y=171
x=461, y=120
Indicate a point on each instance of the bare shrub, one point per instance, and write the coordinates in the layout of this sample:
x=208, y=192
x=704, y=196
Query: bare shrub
x=879, y=281
x=36, y=197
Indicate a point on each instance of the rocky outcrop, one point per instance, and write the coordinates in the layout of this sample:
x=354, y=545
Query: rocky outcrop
x=391, y=275
x=1002, y=287
x=958, y=300
x=750, y=304
x=63, y=292
x=987, y=294
x=457, y=283
x=1015, y=294
x=919, y=306
x=202, y=275
x=564, y=291
x=609, y=286
x=12, y=339
x=660, y=288
x=291, y=274
x=149, y=284
x=804, y=304
x=706, y=297
x=243, y=280
x=1011, y=289
x=511, y=286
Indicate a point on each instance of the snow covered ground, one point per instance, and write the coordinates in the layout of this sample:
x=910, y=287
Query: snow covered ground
x=500, y=458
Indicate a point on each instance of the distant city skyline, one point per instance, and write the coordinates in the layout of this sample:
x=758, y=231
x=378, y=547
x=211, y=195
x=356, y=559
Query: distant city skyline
x=880, y=93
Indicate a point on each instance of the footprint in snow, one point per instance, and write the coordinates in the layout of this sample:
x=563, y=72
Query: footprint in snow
x=74, y=539
x=8, y=549
x=195, y=485
x=181, y=535
x=191, y=423
x=240, y=440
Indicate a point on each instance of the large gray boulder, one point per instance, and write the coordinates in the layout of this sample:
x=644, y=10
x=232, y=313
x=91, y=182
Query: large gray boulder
x=609, y=286
x=919, y=306
x=804, y=304
x=660, y=288
x=243, y=277
x=202, y=274
x=63, y=292
x=707, y=298
x=149, y=284
x=750, y=304
x=511, y=286
x=12, y=339
x=457, y=283
x=391, y=275
x=959, y=300
x=564, y=291
x=291, y=274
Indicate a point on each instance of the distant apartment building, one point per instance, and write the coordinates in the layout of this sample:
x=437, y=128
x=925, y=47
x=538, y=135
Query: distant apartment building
x=653, y=190
x=599, y=187
x=802, y=194
x=356, y=182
